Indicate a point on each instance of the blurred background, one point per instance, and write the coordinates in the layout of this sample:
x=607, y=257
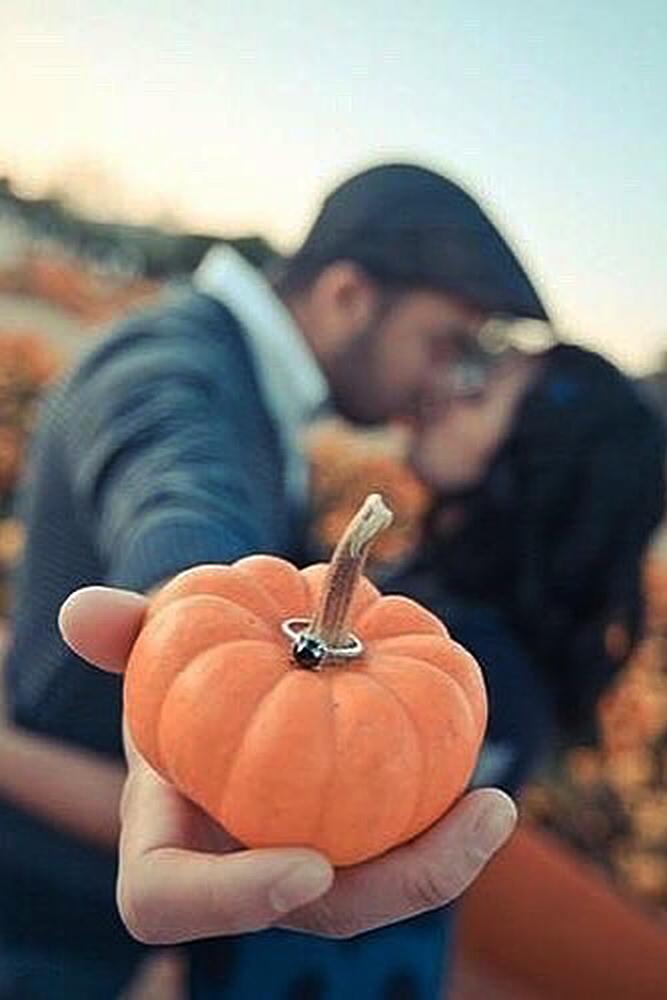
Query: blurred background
x=134, y=135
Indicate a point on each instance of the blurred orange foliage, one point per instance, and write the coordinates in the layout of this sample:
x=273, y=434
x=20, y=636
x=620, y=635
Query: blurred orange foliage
x=345, y=467
x=27, y=365
x=90, y=295
x=610, y=800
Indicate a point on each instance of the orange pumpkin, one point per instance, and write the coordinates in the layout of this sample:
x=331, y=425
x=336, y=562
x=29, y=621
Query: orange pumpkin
x=302, y=707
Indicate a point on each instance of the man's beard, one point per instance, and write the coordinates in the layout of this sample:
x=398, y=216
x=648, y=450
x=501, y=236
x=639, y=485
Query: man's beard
x=354, y=389
x=357, y=391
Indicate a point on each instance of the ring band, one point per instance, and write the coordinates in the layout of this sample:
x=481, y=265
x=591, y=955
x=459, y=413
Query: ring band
x=294, y=627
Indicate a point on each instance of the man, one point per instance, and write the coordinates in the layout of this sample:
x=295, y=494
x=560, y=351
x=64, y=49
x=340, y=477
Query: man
x=175, y=442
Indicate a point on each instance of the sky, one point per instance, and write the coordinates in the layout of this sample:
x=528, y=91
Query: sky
x=237, y=116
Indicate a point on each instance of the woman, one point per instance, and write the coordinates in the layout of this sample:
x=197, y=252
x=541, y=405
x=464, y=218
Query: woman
x=550, y=483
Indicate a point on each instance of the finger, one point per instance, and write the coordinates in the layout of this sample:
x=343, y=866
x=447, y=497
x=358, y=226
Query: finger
x=425, y=874
x=101, y=624
x=175, y=895
x=168, y=893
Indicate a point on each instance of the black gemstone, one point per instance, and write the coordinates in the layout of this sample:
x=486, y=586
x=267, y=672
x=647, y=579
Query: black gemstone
x=308, y=651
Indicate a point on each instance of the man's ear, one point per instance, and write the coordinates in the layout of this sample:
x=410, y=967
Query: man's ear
x=343, y=300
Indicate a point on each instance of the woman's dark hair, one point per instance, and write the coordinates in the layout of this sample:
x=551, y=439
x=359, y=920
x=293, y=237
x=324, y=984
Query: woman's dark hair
x=555, y=535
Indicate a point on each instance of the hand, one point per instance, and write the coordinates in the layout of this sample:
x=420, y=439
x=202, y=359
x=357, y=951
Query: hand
x=454, y=446
x=181, y=877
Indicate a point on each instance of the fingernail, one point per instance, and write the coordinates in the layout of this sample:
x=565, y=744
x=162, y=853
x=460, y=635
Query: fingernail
x=302, y=884
x=496, y=823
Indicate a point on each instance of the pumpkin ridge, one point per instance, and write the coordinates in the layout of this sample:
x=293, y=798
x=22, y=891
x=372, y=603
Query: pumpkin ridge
x=424, y=622
x=251, y=566
x=261, y=589
x=472, y=733
x=223, y=644
x=236, y=601
x=252, y=718
x=199, y=601
x=369, y=675
x=227, y=602
x=455, y=665
x=205, y=597
x=377, y=647
x=432, y=668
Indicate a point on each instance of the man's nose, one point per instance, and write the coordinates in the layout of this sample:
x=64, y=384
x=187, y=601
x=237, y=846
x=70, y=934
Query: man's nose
x=435, y=391
x=437, y=379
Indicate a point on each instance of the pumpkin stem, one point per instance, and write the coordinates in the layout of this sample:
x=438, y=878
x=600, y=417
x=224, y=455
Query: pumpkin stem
x=329, y=625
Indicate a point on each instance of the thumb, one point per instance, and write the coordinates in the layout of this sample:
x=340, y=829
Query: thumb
x=101, y=624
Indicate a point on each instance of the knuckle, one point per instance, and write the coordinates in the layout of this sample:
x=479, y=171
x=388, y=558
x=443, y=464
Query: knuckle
x=137, y=911
x=427, y=889
x=127, y=908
